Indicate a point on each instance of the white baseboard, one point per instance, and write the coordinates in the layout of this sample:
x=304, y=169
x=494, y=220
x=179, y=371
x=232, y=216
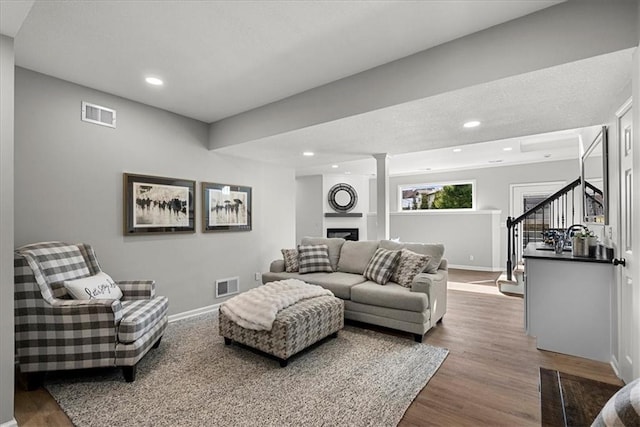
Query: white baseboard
x=614, y=366
x=475, y=267
x=191, y=313
x=10, y=423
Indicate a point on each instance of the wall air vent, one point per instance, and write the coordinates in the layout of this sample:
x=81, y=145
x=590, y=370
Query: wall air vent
x=99, y=115
x=228, y=286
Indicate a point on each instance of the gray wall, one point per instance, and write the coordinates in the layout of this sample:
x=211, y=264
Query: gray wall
x=492, y=189
x=68, y=186
x=309, y=219
x=6, y=228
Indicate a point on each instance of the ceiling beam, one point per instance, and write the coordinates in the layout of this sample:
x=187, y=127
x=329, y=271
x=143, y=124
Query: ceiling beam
x=556, y=35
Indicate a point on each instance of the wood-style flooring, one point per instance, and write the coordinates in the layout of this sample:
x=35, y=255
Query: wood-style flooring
x=489, y=378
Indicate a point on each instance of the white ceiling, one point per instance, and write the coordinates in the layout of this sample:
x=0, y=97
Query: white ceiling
x=220, y=58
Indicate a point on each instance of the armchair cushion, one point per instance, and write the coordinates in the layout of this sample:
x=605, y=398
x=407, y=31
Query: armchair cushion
x=99, y=286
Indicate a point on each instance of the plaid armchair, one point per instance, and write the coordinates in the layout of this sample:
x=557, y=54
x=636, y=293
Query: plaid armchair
x=55, y=332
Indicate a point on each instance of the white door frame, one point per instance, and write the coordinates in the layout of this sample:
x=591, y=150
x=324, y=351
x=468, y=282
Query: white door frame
x=517, y=192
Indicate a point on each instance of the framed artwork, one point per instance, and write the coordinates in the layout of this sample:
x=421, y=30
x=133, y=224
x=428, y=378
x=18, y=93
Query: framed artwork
x=225, y=207
x=154, y=204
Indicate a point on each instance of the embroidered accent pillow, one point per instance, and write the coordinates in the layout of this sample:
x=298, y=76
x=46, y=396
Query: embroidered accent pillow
x=409, y=264
x=290, y=260
x=381, y=265
x=99, y=286
x=623, y=409
x=314, y=259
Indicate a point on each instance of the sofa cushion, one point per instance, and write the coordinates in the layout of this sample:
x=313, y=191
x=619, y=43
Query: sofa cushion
x=333, y=243
x=290, y=257
x=354, y=256
x=434, y=250
x=338, y=282
x=390, y=295
x=409, y=265
x=381, y=266
x=313, y=258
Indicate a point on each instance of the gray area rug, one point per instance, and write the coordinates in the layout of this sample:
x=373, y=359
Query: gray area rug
x=361, y=378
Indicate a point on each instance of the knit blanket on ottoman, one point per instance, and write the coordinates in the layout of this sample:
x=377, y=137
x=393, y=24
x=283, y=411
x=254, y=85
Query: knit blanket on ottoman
x=257, y=308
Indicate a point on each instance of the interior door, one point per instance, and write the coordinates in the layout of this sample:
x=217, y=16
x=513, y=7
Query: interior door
x=625, y=275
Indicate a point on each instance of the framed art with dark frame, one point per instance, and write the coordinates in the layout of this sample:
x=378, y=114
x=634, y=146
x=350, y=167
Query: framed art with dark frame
x=225, y=207
x=154, y=204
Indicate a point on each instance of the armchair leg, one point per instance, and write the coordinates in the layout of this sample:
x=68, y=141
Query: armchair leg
x=129, y=373
x=157, y=343
x=33, y=380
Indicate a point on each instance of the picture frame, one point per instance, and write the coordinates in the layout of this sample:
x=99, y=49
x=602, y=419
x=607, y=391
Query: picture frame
x=154, y=204
x=225, y=207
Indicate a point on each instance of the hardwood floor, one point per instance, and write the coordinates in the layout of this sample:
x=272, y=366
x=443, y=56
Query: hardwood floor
x=489, y=378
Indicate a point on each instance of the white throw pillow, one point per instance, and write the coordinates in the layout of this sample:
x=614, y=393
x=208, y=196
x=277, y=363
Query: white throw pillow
x=100, y=286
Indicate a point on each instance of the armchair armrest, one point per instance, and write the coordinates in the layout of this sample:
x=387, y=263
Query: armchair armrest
x=435, y=286
x=277, y=266
x=137, y=289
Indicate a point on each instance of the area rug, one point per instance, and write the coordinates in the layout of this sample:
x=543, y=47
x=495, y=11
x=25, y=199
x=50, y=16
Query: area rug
x=361, y=378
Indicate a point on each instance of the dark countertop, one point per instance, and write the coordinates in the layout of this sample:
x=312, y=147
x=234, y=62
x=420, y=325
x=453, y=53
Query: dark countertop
x=532, y=251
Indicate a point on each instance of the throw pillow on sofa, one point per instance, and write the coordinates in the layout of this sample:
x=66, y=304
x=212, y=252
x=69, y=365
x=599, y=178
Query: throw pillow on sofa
x=290, y=260
x=434, y=250
x=409, y=265
x=381, y=266
x=313, y=259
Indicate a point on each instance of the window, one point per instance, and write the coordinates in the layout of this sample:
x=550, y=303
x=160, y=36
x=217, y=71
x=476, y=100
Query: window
x=437, y=196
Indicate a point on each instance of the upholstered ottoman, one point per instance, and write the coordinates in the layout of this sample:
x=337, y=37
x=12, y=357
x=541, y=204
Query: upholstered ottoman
x=294, y=329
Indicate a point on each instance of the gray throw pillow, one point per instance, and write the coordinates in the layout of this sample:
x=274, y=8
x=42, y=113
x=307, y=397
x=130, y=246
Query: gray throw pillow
x=313, y=259
x=434, y=250
x=381, y=266
x=623, y=409
x=290, y=260
x=409, y=265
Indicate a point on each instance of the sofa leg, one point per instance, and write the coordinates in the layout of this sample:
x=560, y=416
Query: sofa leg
x=157, y=343
x=227, y=341
x=439, y=320
x=283, y=362
x=418, y=337
x=33, y=380
x=334, y=335
x=129, y=373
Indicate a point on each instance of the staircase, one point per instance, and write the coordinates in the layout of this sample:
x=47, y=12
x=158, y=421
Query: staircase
x=539, y=224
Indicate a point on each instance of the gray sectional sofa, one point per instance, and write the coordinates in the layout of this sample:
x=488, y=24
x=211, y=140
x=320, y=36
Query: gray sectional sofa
x=414, y=310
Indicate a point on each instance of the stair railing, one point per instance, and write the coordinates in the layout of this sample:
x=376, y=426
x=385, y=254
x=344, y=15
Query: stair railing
x=550, y=215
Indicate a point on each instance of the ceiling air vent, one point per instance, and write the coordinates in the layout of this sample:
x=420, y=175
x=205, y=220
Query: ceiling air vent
x=99, y=115
x=226, y=287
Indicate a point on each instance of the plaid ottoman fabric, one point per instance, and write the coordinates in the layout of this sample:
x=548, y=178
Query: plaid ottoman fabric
x=295, y=328
x=54, y=332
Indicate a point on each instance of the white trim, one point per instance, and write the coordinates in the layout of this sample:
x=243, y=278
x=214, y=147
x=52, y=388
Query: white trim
x=444, y=212
x=625, y=107
x=475, y=267
x=614, y=365
x=11, y=423
x=192, y=313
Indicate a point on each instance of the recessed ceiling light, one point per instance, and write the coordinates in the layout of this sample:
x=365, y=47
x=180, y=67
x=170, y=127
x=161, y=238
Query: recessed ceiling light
x=495, y=161
x=334, y=166
x=546, y=156
x=347, y=173
x=308, y=153
x=457, y=150
x=154, y=81
x=471, y=124
x=507, y=149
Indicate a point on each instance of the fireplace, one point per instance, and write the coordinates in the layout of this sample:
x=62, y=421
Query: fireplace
x=345, y=233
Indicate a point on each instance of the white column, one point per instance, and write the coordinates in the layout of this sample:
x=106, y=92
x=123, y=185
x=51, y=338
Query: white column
x=382, y=191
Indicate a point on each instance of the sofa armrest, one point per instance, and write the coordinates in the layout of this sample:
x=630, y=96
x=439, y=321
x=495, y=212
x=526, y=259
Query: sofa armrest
x=435, y=286
x=137, y=289
x=277, y=266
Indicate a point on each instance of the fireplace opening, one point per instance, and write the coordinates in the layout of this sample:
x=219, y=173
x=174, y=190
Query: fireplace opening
x=345, y=233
